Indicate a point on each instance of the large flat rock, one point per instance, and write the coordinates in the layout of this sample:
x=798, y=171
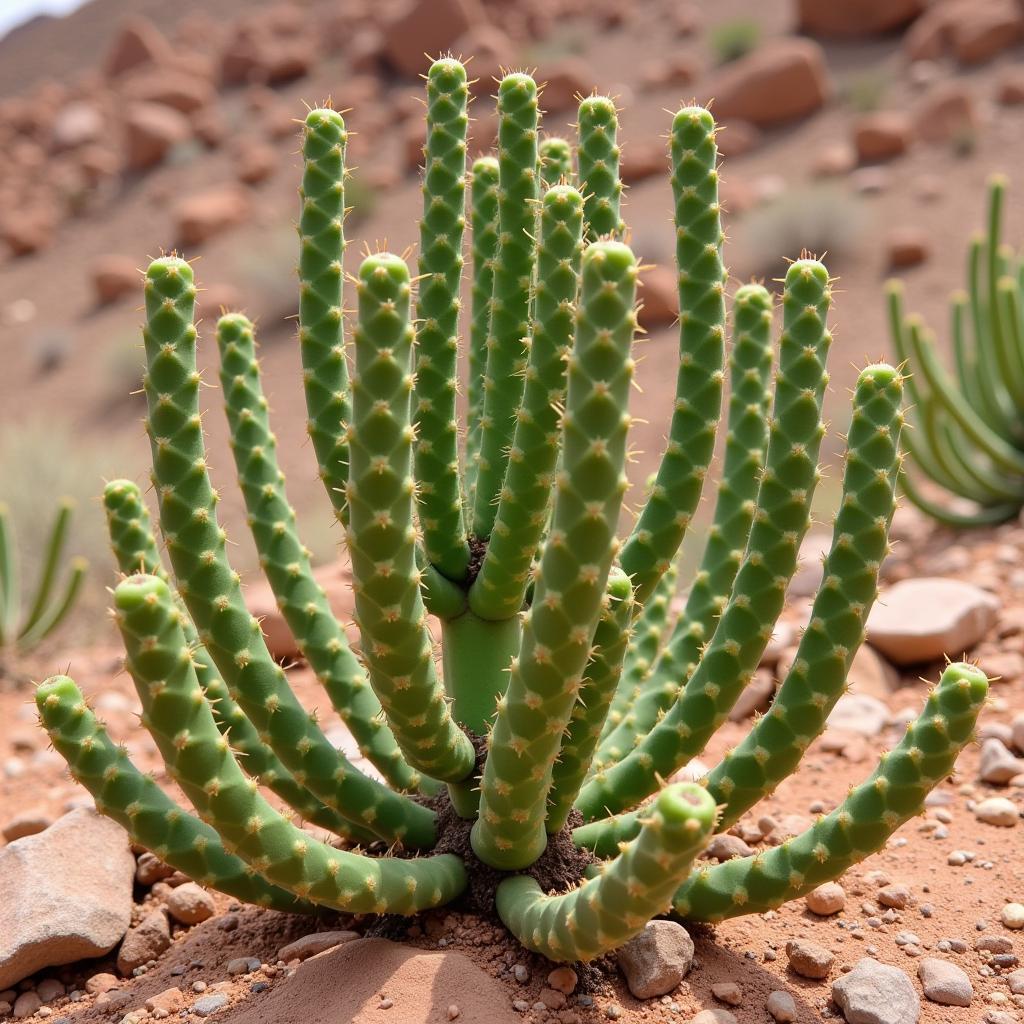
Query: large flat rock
x=65, y=894
x=349, y=982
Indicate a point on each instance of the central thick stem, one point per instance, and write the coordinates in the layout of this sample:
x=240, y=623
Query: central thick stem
x=477, y=655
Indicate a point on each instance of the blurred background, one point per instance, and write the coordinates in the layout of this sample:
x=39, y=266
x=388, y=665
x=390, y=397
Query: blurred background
x=864, y=130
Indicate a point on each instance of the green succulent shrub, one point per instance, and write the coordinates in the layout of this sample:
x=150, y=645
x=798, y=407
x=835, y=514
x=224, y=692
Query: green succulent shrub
x=22, y=630
x=565, y=693
x=969, y=436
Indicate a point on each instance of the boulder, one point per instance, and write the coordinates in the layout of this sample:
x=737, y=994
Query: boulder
x=151, y=130
x=781, y=81
x=881, y=136
x=921, y=619
x=138, y=43
x=113, y=277
x=58, y=906
x=982, y=29
x=855, y=18
x=208, y=214
x=426, y=26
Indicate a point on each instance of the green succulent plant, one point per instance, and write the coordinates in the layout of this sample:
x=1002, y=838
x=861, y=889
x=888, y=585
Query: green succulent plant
x=565, y=693
x=969, y=436
x=20, y=631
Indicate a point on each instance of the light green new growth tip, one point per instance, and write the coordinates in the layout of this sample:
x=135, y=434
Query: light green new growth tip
x=969, y=438
x=511, y=645
x=20, y=633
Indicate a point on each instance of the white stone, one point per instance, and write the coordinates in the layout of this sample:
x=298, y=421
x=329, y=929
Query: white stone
x=1012, y=916
x=997, y=810
x=859, y=713
x=874, y=993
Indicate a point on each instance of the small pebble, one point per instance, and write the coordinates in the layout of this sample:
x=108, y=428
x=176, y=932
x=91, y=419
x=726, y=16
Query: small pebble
x=782, y=1007
x=728, y=992
x=210, y=1004
x=385, y=1004
x=808, y=959
x=826, y=899
x=453, y=1012
x=563, y=979
x=997, y=810
x=1012, y=915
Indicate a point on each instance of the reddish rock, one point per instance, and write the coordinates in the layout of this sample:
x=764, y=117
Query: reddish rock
x=946, y=112
x=150, y=132
x=642, y=160
x=240, y=58
x=208, y=214
x=738, y=138
x=426, y=26
x=659, y=297
x=778, y=82
x=138, y=43
x=97, y=163
x=256, y=161
x=113, y=277
x=282, y=63
x=182, y=92
x=1010, y=86
x=675, y=70
x=833, y=160
x=492, y=50
x=564, y=82
x=907, y=247
x=853, y=18
x=881, y=136
x=983, y=29
x=26, y=231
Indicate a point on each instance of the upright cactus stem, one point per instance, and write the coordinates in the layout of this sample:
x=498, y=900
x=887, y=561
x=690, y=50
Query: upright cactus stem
x=969, y=441
x=518, y=663
x=437, y=313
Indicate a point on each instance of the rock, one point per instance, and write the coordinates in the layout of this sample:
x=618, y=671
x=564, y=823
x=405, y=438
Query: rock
x=810, y=565
x=255, y=162
x=58, y=906
x=782, y=1006
x=874, y=993
x=896, y=896
x=138, y=43
x=659, y=297
x=242, y=965
x=997, y=810
x=169, y=1001
x=945, y=983
x=208, y=214
x=756, y=696
x=50, y=989
x=150, y=132
x=642, y=160
x=829, y=898
x=833, y=160
x=945, y=113
x=657, y=959
x=713, y=1016
x=881, y=136
x=780, y=81
x=728, y=992
x=426, y=26
x=1017, y=732
x=738, y=138
x=345, y=984
x=26, y=231
x=858, y=713
x=310, y=945
x=1010, y=86
x=994, y=944
x=564, y=980
x=190, y=903
x=208, y=1005
x=113, y=277
x=871, y=675
x=1012, y=916
x=102, y=982
x=907, y=247
x=145, y=942
x=26, y=1005
x=921, y=619
x=336, y=580
x=175, y=89
x=998, y=765
x=983, y=29
x=28, y=823
x=563, y=82
x=808, y=959
x=150, y=869
x=1016, y=982
x=76, y=124
x=855, y=18
x=726, y=847
x=677, y=69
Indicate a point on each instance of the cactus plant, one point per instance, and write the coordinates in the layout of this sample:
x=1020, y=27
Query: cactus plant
x=969, y=440
x=49, y=608
x=565, y=693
